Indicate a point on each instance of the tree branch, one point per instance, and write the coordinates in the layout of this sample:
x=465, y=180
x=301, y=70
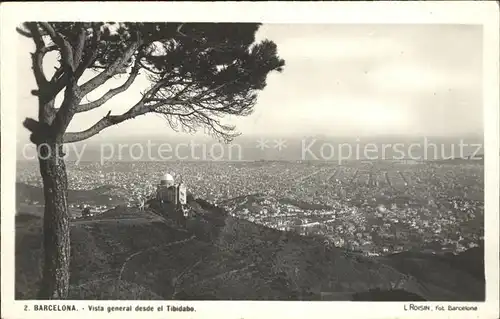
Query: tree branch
x=147, y=68
x=71, y=58
x=24, y=32
x=79, y=48
x=66, y=112
x=111, y=93
x=63, y=44
x=174, y=113
x=57, y=75
x=37, y=57
x=35, y=34
x=111, y=70
x=45, y=101
x=185, y=117
x=107, y=121
x=60, y=78
x=91, y=52
x=138, y=109
x=150, y=94
x=37, y=64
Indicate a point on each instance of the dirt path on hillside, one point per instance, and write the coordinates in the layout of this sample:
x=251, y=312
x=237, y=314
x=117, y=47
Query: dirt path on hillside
x=129, y=258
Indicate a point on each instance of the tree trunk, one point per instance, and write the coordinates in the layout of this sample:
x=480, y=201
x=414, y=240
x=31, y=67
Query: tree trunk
x=55, y=281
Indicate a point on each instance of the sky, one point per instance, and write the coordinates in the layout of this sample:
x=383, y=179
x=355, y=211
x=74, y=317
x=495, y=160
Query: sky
x=339, y=80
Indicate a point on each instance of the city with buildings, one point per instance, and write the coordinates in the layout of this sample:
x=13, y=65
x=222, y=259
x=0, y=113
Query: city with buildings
x=373, y=207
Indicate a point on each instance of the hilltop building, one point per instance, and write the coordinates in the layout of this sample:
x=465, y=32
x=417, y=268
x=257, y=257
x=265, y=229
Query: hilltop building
x=172, y=197
x=168, y=192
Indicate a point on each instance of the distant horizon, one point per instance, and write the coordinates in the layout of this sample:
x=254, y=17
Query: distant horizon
x=262, y=160
x=200, y=136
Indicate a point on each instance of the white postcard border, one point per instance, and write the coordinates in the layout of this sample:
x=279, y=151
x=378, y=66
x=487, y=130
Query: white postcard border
x=465, y=12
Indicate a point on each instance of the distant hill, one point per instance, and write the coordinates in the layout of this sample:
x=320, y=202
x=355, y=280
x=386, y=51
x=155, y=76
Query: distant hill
x=478, y=159
x=104, y=195
x=129, y=254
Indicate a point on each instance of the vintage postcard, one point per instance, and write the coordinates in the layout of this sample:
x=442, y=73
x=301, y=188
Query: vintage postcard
x=250, y=160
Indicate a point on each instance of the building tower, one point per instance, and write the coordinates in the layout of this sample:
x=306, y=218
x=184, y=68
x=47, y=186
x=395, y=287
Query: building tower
x=172, y=197
x=167, y=180
x=167, y=192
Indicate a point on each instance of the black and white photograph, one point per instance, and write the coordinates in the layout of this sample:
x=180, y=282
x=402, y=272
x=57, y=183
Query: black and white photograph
x=192, y=160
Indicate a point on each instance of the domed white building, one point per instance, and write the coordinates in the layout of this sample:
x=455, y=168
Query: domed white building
x=381, y=209
x=167, y=180
x=169, y=191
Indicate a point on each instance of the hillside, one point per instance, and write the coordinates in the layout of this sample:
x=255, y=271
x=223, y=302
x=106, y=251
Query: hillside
x=127, y=254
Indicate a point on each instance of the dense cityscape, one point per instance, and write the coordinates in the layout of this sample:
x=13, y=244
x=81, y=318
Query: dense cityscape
x=372, y=207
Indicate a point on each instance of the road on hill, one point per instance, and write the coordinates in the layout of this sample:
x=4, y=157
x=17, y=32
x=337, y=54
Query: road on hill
x=146, y=216
x=114, y=220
